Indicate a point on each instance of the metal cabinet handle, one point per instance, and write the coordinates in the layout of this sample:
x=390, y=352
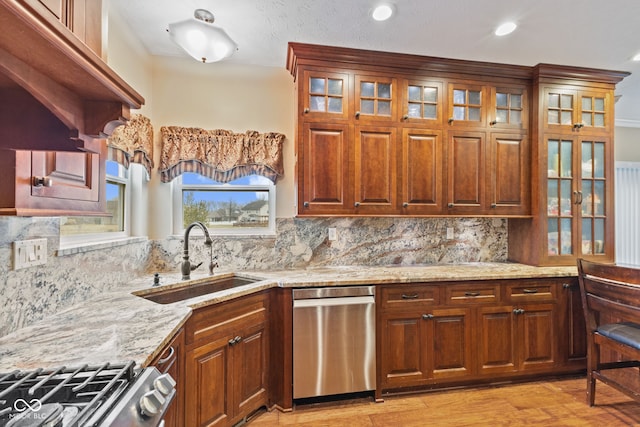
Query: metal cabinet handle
x=566, y=286
x=305, y=204
x=41, y=181
x=405, y=117
x=427, y=316
x=493, y=122
x=450, y=121
x=405, y=296
x=356, y=204
x=450, y=205
x=164, y=360
x=577, y=197
x=494, y=205
x=578, y=126
x=357, y=114
x=471, y=294
x=518, y=311
x=306, y=111
x=530, y=291
x=235, y=341
x=405, y=204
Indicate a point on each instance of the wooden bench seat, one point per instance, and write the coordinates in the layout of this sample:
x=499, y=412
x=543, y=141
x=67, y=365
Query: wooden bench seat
x=611, y=301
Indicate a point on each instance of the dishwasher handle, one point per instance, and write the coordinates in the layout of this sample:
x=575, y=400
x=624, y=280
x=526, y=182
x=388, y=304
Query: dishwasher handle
x=330, y=302
x=333, y=292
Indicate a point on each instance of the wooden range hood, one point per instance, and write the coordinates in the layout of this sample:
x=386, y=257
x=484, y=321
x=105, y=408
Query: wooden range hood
x=56, y=93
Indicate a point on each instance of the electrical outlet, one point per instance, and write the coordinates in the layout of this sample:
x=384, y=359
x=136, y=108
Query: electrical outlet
x=28, y=253
x=449, y=233
x=333, y=234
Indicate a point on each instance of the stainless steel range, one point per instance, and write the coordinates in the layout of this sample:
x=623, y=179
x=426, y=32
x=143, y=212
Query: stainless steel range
x=105, y=395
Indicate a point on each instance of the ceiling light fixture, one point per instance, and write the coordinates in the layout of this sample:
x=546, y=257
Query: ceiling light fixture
x=506, y=28
x=636, y=57
x=201, y=39
x=382, y=12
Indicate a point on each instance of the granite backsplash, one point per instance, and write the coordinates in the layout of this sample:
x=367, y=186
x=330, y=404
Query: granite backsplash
x=30, y=294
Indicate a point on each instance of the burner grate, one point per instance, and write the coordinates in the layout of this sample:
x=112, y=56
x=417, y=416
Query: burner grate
x=86, y=387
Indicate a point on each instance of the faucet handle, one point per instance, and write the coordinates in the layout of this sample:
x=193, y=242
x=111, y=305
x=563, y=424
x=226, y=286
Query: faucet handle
x=193, y=267
x=213, y=264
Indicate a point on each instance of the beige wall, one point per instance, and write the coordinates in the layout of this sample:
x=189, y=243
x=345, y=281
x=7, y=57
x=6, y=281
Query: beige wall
x=222, y=96
x=627, y=144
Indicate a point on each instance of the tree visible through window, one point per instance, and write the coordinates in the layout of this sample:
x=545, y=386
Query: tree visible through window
x=241, y=206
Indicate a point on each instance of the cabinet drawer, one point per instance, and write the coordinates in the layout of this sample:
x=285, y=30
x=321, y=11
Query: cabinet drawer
x=534, y=290
x=226, y=318
x=472, y=293
x=401, y=295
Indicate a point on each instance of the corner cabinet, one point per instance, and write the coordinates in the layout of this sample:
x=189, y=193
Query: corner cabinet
x=227, y=347
x=382, y=134
x=574, y=170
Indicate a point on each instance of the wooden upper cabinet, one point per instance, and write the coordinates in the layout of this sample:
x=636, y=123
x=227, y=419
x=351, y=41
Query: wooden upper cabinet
x=466, y=161
x=421, y=173
x=467, y=105
x=325, y=95
x=375, y=99
x=508, y=108
x=52, y=183
x=82, y=17
x=457, y=137
x=422, y=103
x=509, y=189
x=323, y=169
x=567, y=109
x=375, y=169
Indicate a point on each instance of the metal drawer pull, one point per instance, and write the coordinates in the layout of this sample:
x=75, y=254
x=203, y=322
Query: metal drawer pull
x=235, y=340
x=518, y=311
x=471, y=294
x=427, y=316
x=530, y=291
x=169, y=356
x=405, y=296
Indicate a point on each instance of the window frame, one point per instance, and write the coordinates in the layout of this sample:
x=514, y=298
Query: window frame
x=79, y=239
x=177, y=197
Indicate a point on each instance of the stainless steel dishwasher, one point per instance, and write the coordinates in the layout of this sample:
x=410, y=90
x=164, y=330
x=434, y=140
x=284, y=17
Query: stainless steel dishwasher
x=334, y=341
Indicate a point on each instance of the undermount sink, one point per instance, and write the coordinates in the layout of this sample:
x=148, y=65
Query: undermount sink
x=192, y=290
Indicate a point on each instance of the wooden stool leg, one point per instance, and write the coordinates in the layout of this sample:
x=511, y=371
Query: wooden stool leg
x=593, y=360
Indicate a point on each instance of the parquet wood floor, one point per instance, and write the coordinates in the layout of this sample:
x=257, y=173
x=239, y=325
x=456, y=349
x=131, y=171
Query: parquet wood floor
x=542, y=403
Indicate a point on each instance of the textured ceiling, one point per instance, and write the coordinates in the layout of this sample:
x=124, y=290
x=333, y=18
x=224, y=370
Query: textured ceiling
x=587, y=33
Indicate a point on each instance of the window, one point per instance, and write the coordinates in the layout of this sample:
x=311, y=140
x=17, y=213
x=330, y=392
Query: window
x=87, y=228
x=243, y=206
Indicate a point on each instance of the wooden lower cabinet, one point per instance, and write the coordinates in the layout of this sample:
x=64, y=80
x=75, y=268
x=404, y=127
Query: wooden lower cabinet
x=477, y=332
x=226, y=365
x=171, y=361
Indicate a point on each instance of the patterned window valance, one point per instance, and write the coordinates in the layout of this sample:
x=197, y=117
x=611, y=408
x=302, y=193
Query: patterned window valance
x=133, y=142
x=220, y=154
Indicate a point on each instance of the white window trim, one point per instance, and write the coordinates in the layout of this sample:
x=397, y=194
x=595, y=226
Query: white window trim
x=77, y=240
x=178, y=227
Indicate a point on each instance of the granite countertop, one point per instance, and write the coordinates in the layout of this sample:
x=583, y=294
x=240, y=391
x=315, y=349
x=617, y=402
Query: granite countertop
x=119, y=326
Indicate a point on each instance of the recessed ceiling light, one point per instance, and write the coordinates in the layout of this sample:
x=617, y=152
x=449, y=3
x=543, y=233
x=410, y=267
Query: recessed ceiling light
x=506, y=28
x=382, y=12
x=636, y=57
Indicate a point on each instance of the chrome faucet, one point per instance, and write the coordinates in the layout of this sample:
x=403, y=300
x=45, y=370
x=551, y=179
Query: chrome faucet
x=187, y=268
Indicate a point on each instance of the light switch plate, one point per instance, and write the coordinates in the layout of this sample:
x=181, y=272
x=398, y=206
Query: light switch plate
x=449, y=233
x=28, y=253
x=333, y=234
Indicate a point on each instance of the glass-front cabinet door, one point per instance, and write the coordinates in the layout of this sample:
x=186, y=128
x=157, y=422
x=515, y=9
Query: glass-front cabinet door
x=467, y=105
x=578, y=218
x=325, y=95
x=509, y=108
x=375, y=98
x=422, y=103
x=568, y=110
